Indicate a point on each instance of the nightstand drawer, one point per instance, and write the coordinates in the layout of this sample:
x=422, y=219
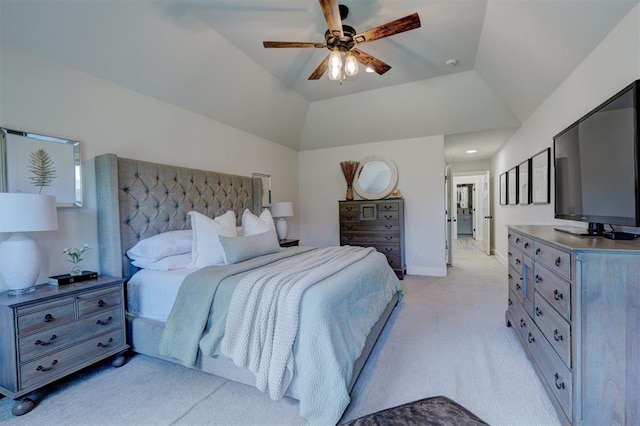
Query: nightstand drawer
x=96, y=302
x=58, y=363
x=39, y=344
x=53, y=314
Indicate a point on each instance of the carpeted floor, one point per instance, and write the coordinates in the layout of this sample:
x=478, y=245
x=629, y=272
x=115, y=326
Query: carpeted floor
x=447, y=337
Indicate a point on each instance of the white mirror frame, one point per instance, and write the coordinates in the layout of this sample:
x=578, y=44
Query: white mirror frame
x=393, y=181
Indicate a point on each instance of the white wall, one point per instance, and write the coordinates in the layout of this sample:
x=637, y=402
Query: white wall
x=43, y=97
x=610, y=67
x=421, y=172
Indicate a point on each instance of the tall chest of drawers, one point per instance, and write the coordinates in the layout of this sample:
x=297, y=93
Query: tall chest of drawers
x=55, y=331
x=574, y=304
x=378, y=224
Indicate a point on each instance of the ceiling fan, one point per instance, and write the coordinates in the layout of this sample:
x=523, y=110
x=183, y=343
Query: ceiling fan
x=342, y=41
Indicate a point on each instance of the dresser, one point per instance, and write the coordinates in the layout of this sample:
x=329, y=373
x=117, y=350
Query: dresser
x=574, y=304
x=378, y=224
x=54, y=331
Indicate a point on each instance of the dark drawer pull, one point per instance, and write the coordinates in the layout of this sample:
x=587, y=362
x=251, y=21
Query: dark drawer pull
x=48, y=318
x=522, y=322
x=510, y=277
x=349, y=237
x=104, y=345
x=517, y=261
x=526, y=245
x=388, y=226
x=530, y=338
x=101, y=303
x=100, y=322
x=349, y=217
x=349, y=208
x=538, y=278
x=349, y=227
x=387, y=206
x=388, y=216
x=558, y=261
x=538, y=251
x=557, y=336
x=557, y=295
x=561, y=384
x=510, y=302
x=517, y=240
x=388, y=249
x=538, y=312
x=41, y=343
x=388, y=238
x=510, y=254
x=518, y=287
x=53, y=364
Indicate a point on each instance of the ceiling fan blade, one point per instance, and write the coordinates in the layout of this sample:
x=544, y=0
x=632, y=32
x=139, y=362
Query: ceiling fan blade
x=401, y=25
x=317, y=73
x=371, y=61
x=292, y=44
x=331, y=13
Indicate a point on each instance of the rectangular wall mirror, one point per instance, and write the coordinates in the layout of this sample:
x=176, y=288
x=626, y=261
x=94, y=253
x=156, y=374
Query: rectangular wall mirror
x=41, y=164
x=266, y=188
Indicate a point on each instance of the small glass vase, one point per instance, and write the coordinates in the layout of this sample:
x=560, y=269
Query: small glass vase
x=75, y=270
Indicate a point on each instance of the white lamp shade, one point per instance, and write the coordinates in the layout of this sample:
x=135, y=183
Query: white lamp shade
x=282, y=209
x=19, y=254
x=20, y=212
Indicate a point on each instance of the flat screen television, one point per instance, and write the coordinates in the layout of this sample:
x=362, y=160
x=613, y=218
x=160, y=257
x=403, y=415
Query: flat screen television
x=596, y=165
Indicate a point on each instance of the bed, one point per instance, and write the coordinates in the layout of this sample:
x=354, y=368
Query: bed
x=347, y=307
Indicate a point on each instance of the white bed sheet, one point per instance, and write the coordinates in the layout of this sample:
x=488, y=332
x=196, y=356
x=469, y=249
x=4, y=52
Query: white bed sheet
x=151, y=294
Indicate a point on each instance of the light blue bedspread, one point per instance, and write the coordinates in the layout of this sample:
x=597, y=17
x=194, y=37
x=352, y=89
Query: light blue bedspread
x=336, y=316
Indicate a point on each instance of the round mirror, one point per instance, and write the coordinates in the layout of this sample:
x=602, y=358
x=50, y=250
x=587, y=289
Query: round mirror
x=376, y=177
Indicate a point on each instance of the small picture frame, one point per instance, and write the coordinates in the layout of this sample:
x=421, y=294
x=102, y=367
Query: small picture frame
x=524, y=182
x=540, y=182
x=503, y=189
x=512, y=184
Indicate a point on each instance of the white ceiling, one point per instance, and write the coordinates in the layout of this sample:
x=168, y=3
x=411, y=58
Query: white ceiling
x=207, y=56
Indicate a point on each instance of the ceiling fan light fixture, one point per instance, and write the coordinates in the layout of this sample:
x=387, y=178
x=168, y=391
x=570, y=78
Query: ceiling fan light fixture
x=350, y=65
x=335, y=73
x=335, y=59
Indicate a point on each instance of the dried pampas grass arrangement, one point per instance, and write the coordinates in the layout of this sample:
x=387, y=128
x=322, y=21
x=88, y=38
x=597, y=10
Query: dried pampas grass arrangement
x=349, y=169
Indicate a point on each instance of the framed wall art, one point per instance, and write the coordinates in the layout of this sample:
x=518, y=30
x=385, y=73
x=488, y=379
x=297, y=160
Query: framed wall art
x=512, y=184
x=540, y=183
x=39, y=164
x=524, y=182
x=503, y=189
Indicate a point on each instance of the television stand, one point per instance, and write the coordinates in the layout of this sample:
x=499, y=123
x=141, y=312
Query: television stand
x=573, y=230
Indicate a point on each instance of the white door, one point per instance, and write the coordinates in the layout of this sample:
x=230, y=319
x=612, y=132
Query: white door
x=448, y=190
x=487, y=214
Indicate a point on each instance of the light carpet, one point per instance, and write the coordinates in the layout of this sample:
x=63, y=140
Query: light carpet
x=447, y=337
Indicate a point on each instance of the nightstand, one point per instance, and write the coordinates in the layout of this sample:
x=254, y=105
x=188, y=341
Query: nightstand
x=289, y=243
x=55, y=331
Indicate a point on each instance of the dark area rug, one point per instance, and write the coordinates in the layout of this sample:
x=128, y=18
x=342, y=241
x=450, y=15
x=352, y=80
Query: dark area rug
x=436, y=411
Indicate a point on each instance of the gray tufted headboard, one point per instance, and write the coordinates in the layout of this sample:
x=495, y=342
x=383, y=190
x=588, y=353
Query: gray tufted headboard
x=138, y=199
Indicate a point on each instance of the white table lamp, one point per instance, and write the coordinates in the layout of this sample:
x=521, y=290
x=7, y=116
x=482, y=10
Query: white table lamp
x=19, y=254
x=280, y=211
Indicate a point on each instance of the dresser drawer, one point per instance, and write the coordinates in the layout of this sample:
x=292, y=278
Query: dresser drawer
x=348, y=208
x=369, y=237
x=394, y=262
x=553, y=370
x=387, y=226
x=514, y=258
x=519, y=317
x=554, y=289
x=98, y=301
x=385, y=206
x=57, y=364
x=554, y=327
x=46, y=316
x=39, y=344
x=388, y=215
x=515, y=282
x=556, y=260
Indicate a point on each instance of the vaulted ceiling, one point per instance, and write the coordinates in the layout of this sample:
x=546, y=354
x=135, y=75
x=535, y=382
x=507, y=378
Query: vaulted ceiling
x=207, y=56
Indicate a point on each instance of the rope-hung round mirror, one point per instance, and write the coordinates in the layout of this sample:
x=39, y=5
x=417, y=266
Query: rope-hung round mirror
x=376, y=178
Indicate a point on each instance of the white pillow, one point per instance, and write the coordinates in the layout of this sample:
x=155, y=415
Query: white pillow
x=252, y=224
x=169, y=263
x=244, y=248
x=206, y=249
x=161, y=245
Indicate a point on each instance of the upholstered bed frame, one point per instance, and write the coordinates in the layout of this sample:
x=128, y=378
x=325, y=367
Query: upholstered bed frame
x=138, y=199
